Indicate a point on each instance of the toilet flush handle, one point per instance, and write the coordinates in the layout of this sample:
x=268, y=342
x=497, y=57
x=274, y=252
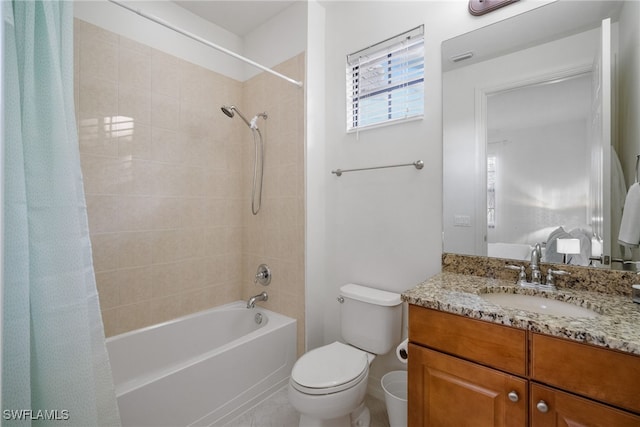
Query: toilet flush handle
x=340, y=299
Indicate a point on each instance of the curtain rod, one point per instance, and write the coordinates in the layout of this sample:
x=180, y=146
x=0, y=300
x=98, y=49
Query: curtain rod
x=204, y=41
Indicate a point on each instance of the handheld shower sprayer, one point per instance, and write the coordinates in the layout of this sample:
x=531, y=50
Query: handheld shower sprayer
x=254, y=123
x=230, y=111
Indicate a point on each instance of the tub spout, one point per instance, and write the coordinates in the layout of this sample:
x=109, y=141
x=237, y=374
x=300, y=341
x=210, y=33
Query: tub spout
x=251, y=303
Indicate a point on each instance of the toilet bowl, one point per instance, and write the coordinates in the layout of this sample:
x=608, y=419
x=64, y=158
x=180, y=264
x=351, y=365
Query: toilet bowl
x=328, y=384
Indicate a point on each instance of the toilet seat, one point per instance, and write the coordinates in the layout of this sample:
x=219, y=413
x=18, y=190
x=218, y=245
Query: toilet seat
x=330, y=369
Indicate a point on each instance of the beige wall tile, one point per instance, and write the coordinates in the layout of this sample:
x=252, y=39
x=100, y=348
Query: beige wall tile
x=165, y=246
x=127, y=43
x=192, y=214
x=165, y=279
x=110, y=321
x=135, y=249
x=103, y=175
x=98, y=59
x=164, y=111
x=134, y=103
x=165, y=147
x=133, y=316
x=194, y=301
x=87, y=31
x=134, y=140
x=105, y=248
x=134, y=213
x=134, y=68
x=135, y=285
x=167, y=308
x=165, y=212
x=108, y=283
x=95, y=138
x=164, y=74
x=103, y=213
x=97, y=99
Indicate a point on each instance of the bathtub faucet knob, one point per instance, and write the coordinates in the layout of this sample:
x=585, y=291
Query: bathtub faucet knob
x=251, y=303
x=263, y=275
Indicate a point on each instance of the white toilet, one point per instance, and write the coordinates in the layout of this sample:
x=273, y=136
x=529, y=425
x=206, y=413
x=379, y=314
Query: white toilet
x=328, y=384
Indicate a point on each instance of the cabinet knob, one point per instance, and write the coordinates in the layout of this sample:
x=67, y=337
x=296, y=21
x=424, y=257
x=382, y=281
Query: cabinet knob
x=513, y=396
x=542, y=406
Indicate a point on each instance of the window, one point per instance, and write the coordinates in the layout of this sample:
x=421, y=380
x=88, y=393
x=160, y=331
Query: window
x=491, y=191
x=385, y=82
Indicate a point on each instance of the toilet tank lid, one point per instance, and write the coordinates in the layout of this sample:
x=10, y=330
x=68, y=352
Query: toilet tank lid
x=370, y=295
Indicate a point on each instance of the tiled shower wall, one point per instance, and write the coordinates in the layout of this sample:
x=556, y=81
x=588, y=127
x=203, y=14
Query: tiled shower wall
x=167, y=180
x=276, y=235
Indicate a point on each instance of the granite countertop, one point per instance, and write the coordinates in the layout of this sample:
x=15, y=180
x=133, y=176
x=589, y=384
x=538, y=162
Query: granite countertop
x=616, y=327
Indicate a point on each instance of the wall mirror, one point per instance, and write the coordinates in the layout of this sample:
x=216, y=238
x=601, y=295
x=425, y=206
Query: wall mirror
x=531, y=139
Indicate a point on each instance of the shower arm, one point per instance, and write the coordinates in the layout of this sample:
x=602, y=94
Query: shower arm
x=244, y=119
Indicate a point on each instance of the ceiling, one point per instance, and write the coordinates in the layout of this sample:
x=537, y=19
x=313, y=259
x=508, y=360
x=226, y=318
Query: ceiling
x=236, y=16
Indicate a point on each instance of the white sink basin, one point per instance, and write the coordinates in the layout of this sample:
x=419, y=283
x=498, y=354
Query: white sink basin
x=538, y=305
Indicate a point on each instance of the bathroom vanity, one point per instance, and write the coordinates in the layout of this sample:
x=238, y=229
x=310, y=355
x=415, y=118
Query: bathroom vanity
x=475, y=363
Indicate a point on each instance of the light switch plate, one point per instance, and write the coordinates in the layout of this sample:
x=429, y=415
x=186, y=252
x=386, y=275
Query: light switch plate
x=461, y=221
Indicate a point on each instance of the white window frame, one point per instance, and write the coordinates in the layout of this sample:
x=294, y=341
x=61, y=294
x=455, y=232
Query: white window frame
x=390, y=76
x=492, y=175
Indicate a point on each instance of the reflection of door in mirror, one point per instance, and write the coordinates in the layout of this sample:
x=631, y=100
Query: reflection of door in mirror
x=538, y=165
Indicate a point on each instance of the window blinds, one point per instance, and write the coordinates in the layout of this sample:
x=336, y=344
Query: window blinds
x=385, y=82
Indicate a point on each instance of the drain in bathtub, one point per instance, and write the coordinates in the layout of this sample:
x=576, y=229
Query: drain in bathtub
x=258, y=318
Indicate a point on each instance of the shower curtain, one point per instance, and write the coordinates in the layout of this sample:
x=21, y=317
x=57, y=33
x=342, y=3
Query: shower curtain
x=54, y=360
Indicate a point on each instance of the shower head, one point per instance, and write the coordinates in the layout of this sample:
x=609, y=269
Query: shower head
x=230, y=112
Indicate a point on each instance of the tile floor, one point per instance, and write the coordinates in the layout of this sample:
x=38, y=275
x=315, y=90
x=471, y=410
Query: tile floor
x=276, y=411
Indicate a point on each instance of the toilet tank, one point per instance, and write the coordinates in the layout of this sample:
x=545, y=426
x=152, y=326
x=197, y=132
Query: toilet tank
x=371, y=319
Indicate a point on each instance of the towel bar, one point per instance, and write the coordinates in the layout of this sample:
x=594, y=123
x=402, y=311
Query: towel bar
x=418, y=164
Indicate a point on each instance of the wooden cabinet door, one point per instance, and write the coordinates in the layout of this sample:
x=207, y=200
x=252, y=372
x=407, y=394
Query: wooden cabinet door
x=445, y=391
x=598, y=373
x=554, y=408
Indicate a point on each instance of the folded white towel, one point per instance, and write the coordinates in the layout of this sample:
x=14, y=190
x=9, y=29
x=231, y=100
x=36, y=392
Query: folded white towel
x=630, y=226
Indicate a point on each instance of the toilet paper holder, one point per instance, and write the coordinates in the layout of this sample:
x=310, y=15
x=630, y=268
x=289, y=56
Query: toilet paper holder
x=403, y=354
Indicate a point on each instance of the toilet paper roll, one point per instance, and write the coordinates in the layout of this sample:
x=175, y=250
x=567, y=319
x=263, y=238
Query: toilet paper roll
x=402, y=353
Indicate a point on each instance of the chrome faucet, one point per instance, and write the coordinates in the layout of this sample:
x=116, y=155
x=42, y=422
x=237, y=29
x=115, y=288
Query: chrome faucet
x=536, y=275
x=251, y=303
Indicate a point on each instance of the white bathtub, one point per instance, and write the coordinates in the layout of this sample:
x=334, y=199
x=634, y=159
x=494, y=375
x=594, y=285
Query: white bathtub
x=201, y=369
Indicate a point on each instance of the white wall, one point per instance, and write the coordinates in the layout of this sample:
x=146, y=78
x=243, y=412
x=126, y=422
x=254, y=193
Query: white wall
x=383, y=228
x=282, y=37
x=315, y=169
